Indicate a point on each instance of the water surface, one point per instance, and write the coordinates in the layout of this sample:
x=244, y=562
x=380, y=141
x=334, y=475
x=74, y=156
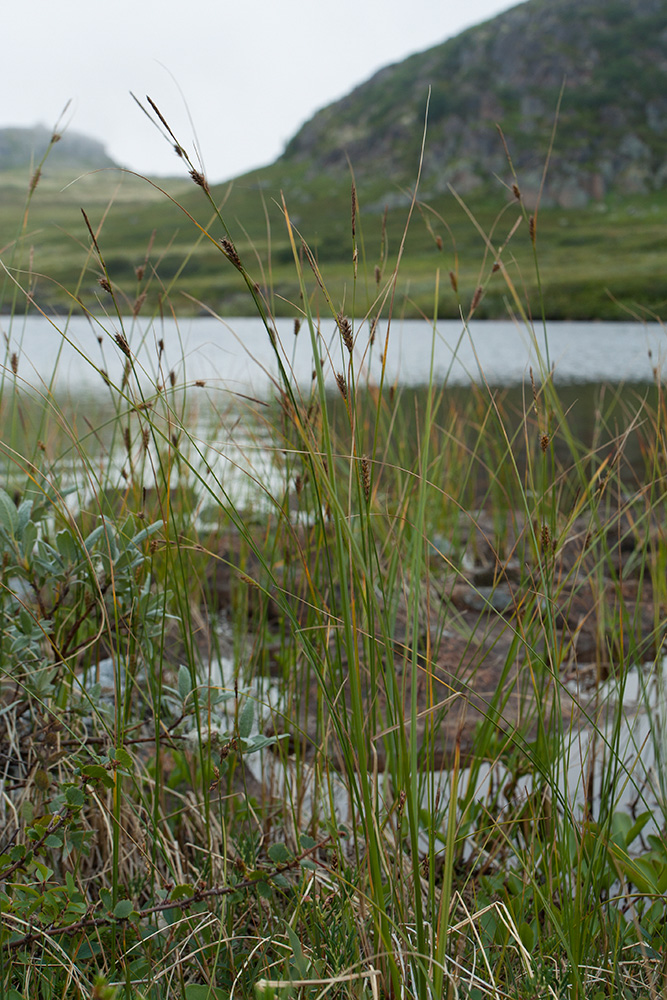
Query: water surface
x=236, y=354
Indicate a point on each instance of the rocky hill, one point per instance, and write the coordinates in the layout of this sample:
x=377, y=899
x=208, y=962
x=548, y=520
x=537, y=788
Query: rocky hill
x=609, y=58
x=21, y=147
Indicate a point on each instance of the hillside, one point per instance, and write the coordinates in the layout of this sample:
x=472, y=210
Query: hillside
x=608, y=56
x=21, y=147
x=600, y=236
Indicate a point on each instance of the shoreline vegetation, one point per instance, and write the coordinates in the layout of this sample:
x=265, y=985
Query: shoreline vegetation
x=238, y=646
x=599, y=261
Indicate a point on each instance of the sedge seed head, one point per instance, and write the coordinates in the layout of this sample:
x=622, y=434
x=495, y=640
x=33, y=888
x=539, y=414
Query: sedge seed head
x=200, y=180
x=366, y=477
x=545, y=537
x=231, y=253
x=123, y=344
x=341, y=383
x=345, y=328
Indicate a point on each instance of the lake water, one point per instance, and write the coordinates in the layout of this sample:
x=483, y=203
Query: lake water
x=236, y=353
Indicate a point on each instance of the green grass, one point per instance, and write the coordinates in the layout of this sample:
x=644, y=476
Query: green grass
x=596, y=262
x=398, y=601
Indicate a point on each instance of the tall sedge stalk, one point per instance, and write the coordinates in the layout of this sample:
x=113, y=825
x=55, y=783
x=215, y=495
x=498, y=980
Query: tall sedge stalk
x=428, y=528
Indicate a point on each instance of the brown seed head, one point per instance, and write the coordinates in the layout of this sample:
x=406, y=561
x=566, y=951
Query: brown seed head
x=454, y=281
x=341, y=383
x=374, y=326
x=476, y=298
x=545, y=537
x=496, y=267
x=516, y=192
x=345, y=328
x=14, y=362
x=438, y=242
x=231, y=253
x=138, y=303
x=127, y=439
x=378, y=274
x=123, y=344
x=172, y=378
x=34, y=180
x=532, y=228
x=297, y=326
x=366, y=477
x=140, y=270
x=544, y=442
x=104, y=283
x=199, y=179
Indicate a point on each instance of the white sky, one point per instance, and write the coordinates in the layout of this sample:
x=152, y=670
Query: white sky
x=248, y=72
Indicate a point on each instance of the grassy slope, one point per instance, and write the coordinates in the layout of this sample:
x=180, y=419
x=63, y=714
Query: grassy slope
x=589, y=257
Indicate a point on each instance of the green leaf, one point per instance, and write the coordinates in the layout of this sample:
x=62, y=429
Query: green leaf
x=74, y=796
x=67, y=547
x=54, y=840
x=299, y=958
x=264, y=889
x=23, y=514
x=28, y=539
x=145, y=532
x=9, y=516
x=279, y=854
x=183, y=891
x=123, y=909
x=280, y=881
x=259, y=741
x=124, y=758
x=307, y=842
x=43, y=872
x=184, y=682
x=246, y=719
x=195, y=991
x=93, y=536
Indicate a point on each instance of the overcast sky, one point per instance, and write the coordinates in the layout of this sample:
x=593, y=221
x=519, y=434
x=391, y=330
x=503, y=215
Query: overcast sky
x=247, y=72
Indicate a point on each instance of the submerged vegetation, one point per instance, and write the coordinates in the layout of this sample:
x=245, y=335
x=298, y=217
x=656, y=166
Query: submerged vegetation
x=322, y=694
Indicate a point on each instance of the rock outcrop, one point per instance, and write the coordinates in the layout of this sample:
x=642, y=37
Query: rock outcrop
x=603, y=61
